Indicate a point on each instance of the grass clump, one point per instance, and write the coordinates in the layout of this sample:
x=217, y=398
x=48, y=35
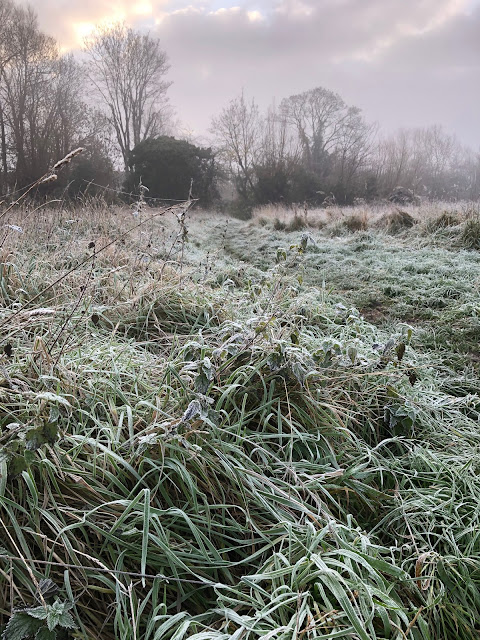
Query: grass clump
x=443, y=221
x=278, y=225
x=297, y=223
x=470, y=235
x=397, y=221
x=356, y=222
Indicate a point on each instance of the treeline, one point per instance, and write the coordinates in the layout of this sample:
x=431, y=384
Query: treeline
x=311, y=147
x=51, y=103
x=314, y=147
x=43, y=111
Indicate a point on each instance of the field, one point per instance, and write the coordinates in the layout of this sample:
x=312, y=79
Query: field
x=221, y=429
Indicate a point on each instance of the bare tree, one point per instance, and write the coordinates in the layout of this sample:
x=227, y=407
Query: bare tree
x=26, y=93
x=280, y=146
x=352, y=151
x=238, y=135
x=429, y=161
x=43, y=115
x=127, y=70
x=318, y=117
x=8, y=14
x=8, y=50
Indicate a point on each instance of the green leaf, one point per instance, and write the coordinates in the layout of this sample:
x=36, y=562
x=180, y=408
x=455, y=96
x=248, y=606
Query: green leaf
x=66, y=621
x=46, y=634
x=57, y=615
x=40, y=613
x=29, y=457
x=47, y=433
x=20, y=626
x=16, y=465
x=352, y=353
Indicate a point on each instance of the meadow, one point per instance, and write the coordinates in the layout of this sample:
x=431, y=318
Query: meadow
x=221, y=429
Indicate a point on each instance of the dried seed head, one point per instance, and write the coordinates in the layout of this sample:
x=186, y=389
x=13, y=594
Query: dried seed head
x=67, y=158
x=51, y=178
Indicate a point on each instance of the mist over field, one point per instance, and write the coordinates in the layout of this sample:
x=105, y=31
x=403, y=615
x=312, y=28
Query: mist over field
x=239, y=320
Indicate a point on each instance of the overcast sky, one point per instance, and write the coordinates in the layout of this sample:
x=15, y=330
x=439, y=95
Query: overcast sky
x=404, y=62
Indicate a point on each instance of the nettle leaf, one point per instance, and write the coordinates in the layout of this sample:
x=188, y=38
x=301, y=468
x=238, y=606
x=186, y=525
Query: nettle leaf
x=192, y=350
x=54, y=413
x=45, y=434
x=298, y=371
x=46, y=634
x=210, y=417
x=40, y=612
x=205, y=376
x=16, y=465
x=275, y=361
x=29, y=456
x=144, y=442
x=400, y=418
x=352, y=353
x=20, y=626
x=47, y=588
x=201, y=383
x=58, y=615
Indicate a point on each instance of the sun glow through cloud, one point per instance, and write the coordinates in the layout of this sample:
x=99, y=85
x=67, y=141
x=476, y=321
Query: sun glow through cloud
x=254, y=16
x=82, y=30
x=142, y=8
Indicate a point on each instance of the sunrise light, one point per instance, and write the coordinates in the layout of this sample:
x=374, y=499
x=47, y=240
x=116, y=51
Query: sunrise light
x=82, y=30
x=142, y=8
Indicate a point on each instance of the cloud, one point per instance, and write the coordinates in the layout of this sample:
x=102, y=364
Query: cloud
x=403, y=61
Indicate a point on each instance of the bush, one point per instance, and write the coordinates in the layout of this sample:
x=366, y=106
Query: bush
x=239, y=208
x=168, y=167
x=90, y=174
x=305, y=186
x=401, y=195
x=272, y=185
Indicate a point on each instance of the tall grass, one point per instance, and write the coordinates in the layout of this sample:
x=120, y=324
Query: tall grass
x=191, y=456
